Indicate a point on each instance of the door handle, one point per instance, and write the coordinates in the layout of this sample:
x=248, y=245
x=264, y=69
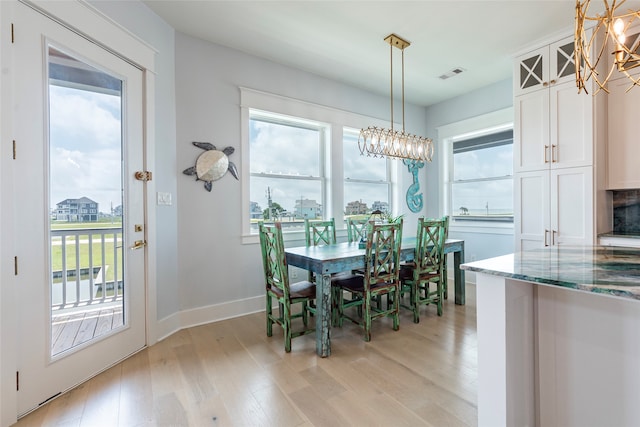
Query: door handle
x=546, y=147
x=554, y=154
x=138, y=244
x=545, y=237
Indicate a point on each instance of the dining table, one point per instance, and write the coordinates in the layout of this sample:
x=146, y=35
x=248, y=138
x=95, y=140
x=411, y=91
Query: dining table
x=324, y=260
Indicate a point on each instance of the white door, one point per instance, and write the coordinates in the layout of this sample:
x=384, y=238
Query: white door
x=77, y=119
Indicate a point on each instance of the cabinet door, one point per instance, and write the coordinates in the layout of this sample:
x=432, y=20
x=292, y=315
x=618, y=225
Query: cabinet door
x=531, y=148
x=572, y=206
x=571, y=126
x=623, y=143
x=531, y=71
x=531, y=221
x=562, y=66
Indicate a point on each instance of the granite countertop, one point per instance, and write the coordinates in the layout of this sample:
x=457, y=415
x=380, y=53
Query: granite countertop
x=607, y=270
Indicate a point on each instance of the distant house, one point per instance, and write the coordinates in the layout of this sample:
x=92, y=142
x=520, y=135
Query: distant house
x=380, y=206
x=307, y=208
x=255, y=211
x=356, y=207
x=77, y=210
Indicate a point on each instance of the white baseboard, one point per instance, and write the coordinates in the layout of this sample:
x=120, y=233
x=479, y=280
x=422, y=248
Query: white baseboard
x=203, y=315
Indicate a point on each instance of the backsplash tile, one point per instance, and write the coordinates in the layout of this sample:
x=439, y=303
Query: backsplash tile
x=626, y=211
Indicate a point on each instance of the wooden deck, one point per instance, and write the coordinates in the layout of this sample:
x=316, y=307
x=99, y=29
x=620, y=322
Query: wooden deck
x=73, y=328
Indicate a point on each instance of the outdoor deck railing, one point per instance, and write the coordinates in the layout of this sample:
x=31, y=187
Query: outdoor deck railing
x=86, y=266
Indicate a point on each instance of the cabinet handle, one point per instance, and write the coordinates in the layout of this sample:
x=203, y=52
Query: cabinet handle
x=545, y=84
x=546, y=147
x=553, y=237
x=545, y=238
x=554, y=154
x=552, y=82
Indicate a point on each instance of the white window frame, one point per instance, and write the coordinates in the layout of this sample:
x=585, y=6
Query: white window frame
x=251, y=99
x=323, y=129
x=485, y=124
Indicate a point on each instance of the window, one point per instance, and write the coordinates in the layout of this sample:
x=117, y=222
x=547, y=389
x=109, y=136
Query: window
x=482, y=186
x=366, y=179
x=477, y=171
x=301, y=160
x=286, y=169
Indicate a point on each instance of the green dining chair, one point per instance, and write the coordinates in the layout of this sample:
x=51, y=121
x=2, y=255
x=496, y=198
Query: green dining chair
x=287, y=295
x=356, y=229
x=382, y=261
x=423, y=278
x=319, y=232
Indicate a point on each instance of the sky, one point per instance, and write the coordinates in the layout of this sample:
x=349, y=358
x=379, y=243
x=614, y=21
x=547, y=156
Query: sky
x=85, y=147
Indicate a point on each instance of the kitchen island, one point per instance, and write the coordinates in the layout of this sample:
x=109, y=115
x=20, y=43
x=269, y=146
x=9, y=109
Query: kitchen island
x=559, y=337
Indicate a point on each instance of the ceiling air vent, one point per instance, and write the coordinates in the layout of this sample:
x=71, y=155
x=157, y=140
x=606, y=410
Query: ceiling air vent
x=452, y=73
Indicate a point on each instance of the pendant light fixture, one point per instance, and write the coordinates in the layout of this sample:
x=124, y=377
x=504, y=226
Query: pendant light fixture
x=381, y=142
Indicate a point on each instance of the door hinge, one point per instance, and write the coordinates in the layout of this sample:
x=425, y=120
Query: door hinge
x=17, y=380
x=14, y=149
x=143, y=176
x=12, y=38
x=15, y=265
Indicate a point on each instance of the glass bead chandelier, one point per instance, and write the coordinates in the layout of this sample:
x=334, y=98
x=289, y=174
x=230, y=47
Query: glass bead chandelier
x=381, y=142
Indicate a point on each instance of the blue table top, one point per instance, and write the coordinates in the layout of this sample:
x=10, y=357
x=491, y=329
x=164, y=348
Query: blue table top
x=607, y=270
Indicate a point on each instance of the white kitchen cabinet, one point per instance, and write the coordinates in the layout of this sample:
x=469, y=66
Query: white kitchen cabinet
x=553, y=207
x=544, y=67
x=553, y=129
x=623, y=142
x=553, y=150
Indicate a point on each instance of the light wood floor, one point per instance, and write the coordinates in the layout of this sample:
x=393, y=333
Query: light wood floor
x=230, y=373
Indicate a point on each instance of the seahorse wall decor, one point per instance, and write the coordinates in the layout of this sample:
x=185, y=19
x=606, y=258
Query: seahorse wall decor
x=414, y=200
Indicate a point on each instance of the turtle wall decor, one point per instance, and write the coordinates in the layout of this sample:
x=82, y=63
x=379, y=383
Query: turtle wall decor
x=212, y=164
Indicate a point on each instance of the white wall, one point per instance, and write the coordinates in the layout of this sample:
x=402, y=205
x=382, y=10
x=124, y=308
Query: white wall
x=481, y=244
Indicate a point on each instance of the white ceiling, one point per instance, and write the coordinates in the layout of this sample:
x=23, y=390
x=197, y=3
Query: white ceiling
x=344, y=40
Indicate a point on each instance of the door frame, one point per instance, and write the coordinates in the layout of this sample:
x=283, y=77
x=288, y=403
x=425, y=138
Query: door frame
x=88, y=22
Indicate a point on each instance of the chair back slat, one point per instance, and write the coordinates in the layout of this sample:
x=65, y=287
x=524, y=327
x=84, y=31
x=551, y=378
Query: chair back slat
x=273, y=257
x=356, y=229
x=382, y=254
x=320, y=232
x=430, y=240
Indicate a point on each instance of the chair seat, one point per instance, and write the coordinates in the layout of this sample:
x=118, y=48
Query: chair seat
x=406, y=273
x=355, y=283
x=302, y=289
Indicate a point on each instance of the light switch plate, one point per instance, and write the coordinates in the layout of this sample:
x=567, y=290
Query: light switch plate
x=164, y=199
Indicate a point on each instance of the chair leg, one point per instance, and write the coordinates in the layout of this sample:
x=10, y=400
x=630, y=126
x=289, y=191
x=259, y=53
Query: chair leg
x=396, y=308
x=444, y=278
x=367, y=318
x=286, y=325
x=415, y=302
x=440, y=297
x=340, y=307
x=269, y=316
x=305, y=312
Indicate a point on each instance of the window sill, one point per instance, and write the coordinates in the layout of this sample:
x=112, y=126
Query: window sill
x=482, y=225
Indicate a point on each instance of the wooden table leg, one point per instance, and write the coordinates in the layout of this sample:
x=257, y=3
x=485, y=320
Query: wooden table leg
x=323, y=316
x=458, y=258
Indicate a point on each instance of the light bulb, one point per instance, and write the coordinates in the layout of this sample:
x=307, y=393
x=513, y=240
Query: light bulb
x=618, y=27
